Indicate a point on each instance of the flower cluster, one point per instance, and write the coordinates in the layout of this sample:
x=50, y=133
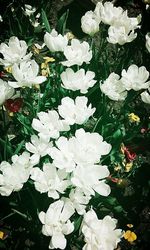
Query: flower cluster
x=67, y=143
x=135, y=78
x=23, y=69
x=121, y=28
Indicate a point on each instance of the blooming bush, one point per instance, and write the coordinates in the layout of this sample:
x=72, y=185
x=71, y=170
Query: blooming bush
x=74, y=131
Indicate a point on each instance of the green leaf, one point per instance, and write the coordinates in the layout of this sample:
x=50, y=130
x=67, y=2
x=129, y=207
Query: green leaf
x=117, y=134
x=77, y=223
x=45, y=21
x=61, y=26
x=19, y=147
x=118, y=209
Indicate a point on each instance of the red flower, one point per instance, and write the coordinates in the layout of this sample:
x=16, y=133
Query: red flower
x=129, y=155
x=115, y=180
x=14, y=105
x=2, y=74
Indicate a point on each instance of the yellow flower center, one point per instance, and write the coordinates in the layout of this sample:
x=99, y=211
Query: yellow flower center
x=9, y=69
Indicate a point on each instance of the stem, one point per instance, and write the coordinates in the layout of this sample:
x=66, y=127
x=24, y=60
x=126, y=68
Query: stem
x=39, y=99
x=4, y=218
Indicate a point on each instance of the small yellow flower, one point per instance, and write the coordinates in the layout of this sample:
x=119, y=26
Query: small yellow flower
x=37, y=86
x=11, y=114
x=130, y=236
x=134, y=118
x=117, y=168
x=43, y=65
x=147, y=2
x=130, y=225
x=44, y=72
x=122, y=148
x=70, y=35
x=128, y=166
x=48, y=59
x=9, y=69
x=1, y=235
x=35, y=50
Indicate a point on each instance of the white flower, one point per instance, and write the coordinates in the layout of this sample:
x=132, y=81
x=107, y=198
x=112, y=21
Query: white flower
x=49, y=124
x=55, y=42
x=83, y=149
x=148, y=41
x=13, y=176
x=6, y=91
x=14, y=52
x=75, y=111
x=35, y=23
x=62, y=156
x=114, y=88
x=88, y=178
x=77, y=53
x=1, y=19
x=90, y=23
x=107, y=13
x=145, y=96
x=50, y=180
x=77, y=80
x=122, y=31
x=29, y=10
x=79, y=200
x=56, y=223
x=26, y=74
x=88, y=147
x=100, y=234
x=39, y=147
x=135, y=78
x=119, y=35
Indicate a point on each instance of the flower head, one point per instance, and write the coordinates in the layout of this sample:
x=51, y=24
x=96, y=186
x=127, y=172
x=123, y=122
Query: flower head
x=14, y=52
x=29, y=10
x=39, y=147
x=100, y=234
x=130, y=236
x=145, y=96
x=147, y=42
x=134, y=118
x=26, y=74
x=56, y=223
x=90, y=23
x=14, y=105
x=13, y=176
x=89, y=179
x=108, y=13
x=135, y=78
x=87, y=147
x=49, y=124
x=120, y=35
x=6, y=91
x=77, y=53
x=55, y=42
x=113, y=88
x=75, y=111
x=79, y=80
x=50, y=180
